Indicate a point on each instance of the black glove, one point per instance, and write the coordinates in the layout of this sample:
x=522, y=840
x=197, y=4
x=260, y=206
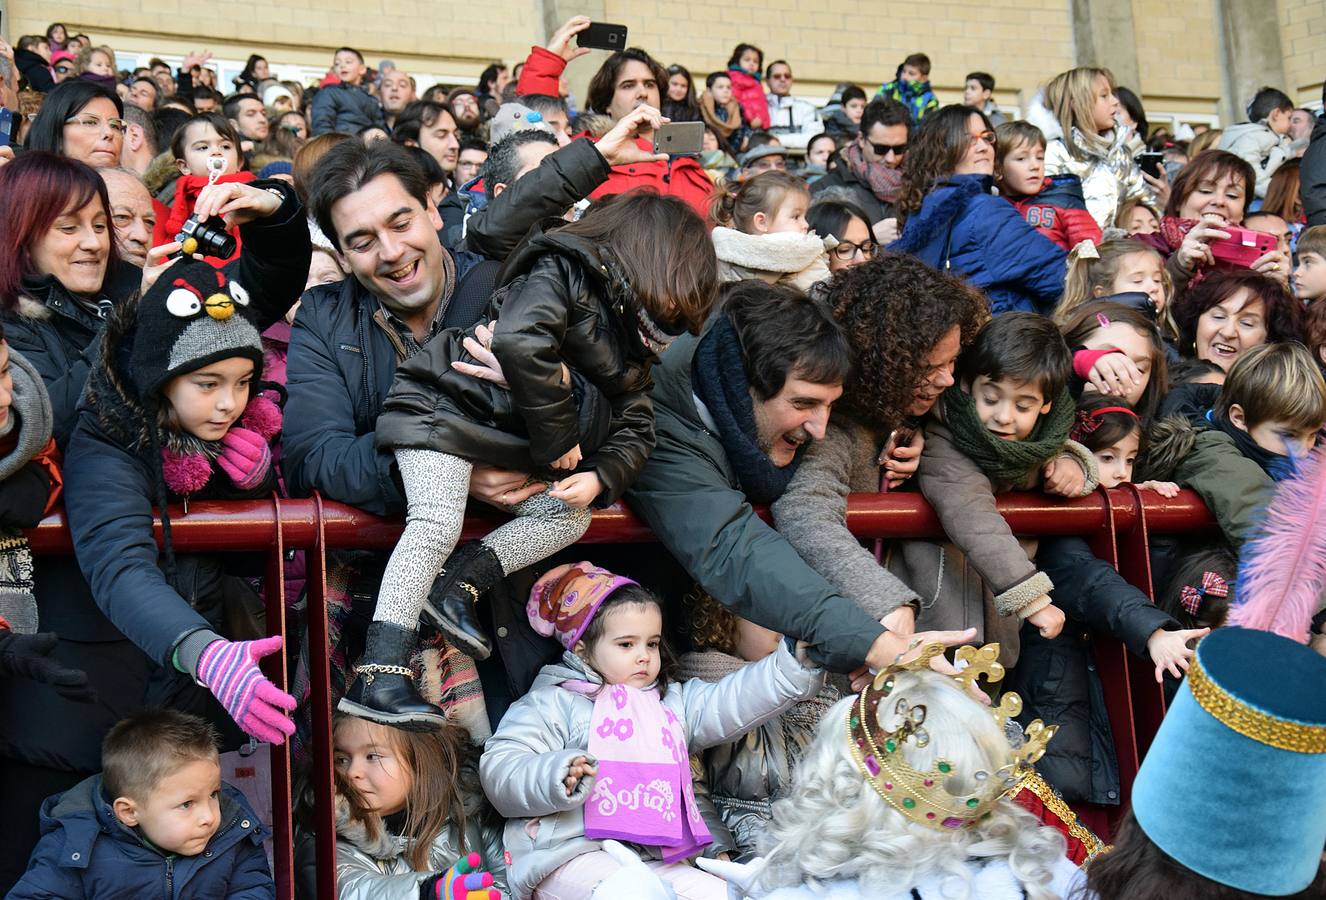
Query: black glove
x=28, y=656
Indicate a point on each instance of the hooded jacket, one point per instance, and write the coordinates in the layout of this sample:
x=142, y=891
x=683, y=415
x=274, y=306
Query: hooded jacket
x=1059, y=212
x=963, y=229
x=748, y=91
x=347, y=108
x=1109, y=175
x=564, y=301
x=85, y=851
x=1260, y=147
x=524, y=762
x=690, y=496
x=788, y=258
x=35, y=70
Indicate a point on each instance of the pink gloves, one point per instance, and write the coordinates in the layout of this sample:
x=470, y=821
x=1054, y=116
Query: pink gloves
x=245, y=457
x=230, y=671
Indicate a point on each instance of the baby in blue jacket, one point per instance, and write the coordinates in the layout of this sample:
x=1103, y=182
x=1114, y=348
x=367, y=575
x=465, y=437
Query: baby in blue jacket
x=157, y=822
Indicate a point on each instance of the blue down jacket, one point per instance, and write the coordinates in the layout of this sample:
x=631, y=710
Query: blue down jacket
x=86, y=852
x=964, y=229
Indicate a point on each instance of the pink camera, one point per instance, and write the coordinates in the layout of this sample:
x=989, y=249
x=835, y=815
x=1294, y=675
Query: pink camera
x=1242, y=248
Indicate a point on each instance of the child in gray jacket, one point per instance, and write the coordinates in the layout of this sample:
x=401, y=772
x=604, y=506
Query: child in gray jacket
x=599, y=747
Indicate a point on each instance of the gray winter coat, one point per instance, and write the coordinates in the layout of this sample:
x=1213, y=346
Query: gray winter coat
x=1260, y=147
x=812, y=515
x=524, y=762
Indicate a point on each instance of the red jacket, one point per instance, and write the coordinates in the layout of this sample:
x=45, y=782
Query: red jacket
x=683, y=177
x=749, y=92
x=1059, y=212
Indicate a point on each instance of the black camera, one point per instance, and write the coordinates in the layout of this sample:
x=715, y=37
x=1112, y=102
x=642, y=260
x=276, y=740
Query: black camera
x=209, y=238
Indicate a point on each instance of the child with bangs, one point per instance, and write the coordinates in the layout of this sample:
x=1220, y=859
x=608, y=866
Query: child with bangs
x=1054, y=206
x=1232, y=451
x=1056, y=678
x=1005, y=426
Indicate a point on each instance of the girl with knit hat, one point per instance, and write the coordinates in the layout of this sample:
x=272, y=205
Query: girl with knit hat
x=599, y=748
x=172, y=413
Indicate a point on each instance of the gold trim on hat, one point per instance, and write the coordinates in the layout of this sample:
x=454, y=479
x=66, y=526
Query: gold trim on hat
x=1261, y=727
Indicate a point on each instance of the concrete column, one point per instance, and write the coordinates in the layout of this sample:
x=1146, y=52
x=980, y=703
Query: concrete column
x=1103, y=36
x=1251, y=55
x=578, y=73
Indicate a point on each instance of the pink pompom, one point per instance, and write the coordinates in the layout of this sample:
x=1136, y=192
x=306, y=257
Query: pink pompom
x=262, y=416
x=185, y=473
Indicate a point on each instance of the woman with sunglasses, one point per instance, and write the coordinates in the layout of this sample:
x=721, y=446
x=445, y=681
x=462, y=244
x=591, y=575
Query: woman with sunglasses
x=846, y=224
x=954, y=224
x=82, y=121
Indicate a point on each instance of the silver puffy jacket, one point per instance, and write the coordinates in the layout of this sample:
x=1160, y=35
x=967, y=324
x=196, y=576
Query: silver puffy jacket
x=524, y=762
x=368, y=869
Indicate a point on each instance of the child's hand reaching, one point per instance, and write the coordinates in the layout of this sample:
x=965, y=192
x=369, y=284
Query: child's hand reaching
x=580, y=768
x=579, y=490
x=568, y=460
x=1115, y=374
x=1048, y=619
x=1170, y=651
x=1063, y=475
x=1163, y=488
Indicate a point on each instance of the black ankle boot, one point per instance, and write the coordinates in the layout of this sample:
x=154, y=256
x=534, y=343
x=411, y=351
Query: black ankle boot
x=384, y=690
x=470, y=572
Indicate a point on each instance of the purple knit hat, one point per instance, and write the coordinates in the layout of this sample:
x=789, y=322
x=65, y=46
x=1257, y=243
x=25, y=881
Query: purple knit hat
x=563, y=601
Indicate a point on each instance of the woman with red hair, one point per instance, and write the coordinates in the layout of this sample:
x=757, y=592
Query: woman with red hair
x=59, y=271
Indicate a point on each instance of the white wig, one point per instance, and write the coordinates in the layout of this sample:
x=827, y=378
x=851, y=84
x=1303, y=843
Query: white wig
x=835, y=826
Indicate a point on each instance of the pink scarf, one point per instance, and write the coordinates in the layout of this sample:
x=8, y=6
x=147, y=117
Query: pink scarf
x=643, y=792
x=885, y=183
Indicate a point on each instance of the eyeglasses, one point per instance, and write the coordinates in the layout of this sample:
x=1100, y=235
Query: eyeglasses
x=94, y=123
x=987, y=136
x=847, y=251
x=885, y=149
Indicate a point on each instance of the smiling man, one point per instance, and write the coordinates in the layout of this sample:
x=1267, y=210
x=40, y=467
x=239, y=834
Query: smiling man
x=735, y=410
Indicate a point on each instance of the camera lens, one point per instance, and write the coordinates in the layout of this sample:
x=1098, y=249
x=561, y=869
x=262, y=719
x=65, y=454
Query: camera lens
x=211, y=236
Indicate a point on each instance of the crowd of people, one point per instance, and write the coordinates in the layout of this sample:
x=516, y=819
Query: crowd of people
x=413, y=303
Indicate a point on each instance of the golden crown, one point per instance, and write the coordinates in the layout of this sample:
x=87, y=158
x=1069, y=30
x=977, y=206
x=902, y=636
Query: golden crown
x=933, y=798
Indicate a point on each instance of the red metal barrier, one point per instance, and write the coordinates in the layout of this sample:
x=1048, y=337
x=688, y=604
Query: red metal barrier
x=1117, y=523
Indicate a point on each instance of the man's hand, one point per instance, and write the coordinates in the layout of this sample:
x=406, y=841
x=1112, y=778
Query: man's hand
x=579, y=490
x=237, y=204
x=1049, y=620
x=890, y=645
x=618, y=146
x=1063, y=476
x=502, y=487
x=560, y=43
x=197, y=58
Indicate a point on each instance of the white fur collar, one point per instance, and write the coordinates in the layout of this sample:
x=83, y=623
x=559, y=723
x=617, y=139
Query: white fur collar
x=781, y=252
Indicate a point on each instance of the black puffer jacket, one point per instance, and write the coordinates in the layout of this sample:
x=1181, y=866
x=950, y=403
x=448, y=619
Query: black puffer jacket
x=563, y=301
x=1058, y=680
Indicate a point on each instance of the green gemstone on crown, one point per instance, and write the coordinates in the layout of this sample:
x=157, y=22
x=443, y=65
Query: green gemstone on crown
x=943, y=767
x=973, y=802
x=906, y=801
x=889, y=745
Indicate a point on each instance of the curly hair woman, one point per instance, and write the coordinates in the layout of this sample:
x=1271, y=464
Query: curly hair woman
x=906, y=324
x=954, y=224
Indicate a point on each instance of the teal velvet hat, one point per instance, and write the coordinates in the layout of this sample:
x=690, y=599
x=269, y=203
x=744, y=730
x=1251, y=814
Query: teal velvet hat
x=1234, y=786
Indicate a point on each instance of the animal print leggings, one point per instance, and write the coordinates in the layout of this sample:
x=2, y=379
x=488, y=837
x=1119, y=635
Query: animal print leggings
x=436, y=490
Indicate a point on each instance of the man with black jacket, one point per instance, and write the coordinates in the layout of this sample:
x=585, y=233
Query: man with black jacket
x=1312, y=187
x=405, y=287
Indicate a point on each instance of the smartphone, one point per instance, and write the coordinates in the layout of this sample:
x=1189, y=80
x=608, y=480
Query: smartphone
x=1243, y=246
x=6, y=127
x=603, y=36
x=1151, y=162
x=679, y=138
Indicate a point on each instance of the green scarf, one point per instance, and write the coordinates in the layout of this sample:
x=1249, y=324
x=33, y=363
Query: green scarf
x=1007, y=462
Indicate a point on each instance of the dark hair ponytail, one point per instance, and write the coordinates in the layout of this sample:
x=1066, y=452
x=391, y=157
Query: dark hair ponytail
x=635, y=595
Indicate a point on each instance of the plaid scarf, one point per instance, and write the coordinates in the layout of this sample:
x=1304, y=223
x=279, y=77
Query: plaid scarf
x=1007, y=462
x=885, y=183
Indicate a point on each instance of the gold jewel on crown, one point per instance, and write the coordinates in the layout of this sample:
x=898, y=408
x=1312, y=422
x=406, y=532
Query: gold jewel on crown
x=933, y=798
